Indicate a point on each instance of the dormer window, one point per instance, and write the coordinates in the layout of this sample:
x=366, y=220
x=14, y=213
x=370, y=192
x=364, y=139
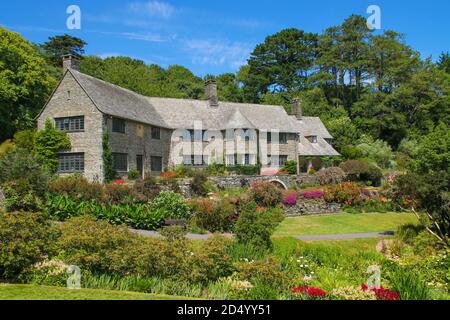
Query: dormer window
x=312, y=139
x=329, y=141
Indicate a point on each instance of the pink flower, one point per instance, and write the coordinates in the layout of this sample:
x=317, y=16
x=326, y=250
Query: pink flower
x=313, y=194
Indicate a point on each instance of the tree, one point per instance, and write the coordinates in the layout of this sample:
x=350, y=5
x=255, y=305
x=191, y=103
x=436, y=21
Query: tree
x=48, y=142
x=344, y=132
x=25, y=83
x=56, y=47
x=282, y=63
x=109, y=174
x=444, y=62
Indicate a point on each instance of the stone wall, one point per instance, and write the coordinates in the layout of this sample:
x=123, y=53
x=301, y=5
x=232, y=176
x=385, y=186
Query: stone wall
x=312, y=206
x=70, y=100
x=227, y=182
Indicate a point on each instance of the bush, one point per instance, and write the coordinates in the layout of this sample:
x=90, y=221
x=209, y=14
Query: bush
x=215, y=169
x=48, y=142
x=290, y=198
x=213, y=215
x=246, y=170
x=358, y=170
x=290, y=167
x=351, y=153
x=169, y=204
x=266, y=194
x=77, y=187
x=344, y=193
x=134, y=174
x=372, y=176
x=330, y=175
x=198, y=183
x=25, y=239
x=147, y=187
x=255, y=227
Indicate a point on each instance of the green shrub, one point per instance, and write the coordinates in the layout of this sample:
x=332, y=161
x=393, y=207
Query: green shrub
x=255, y=226
x=25, y=239
x=354, y=168
x=351, y=153
x=290, y=167
x=147, y=187
x=48, y=273
x=109, y=173
x=373, y=175
x=198, y=183
x=215, y=169
x=330, y=175
x=409, y=284
x=246, y=170
x=77, y=187
x=21, y=164
x=169, y=204
x=48, y=142
x=266, y=194
x=134, y=174
x=213, y=215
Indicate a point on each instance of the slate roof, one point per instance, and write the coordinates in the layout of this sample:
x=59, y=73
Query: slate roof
x=182, y=113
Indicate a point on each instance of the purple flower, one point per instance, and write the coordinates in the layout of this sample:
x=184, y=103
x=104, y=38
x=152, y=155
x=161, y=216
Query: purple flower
x=313, y=194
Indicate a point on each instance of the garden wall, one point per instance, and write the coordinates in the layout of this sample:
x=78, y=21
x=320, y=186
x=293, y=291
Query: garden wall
x=245, y=181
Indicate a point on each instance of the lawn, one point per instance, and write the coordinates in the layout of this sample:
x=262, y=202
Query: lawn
x=34, y=292
x=343, y=223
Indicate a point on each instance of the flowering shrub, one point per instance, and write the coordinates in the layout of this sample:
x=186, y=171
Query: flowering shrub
x=213, y=215
x=49, y=273
x=353, y=293
x=266, y=194
x=290, y=198
x=382, y=293
x=309, y=293
x=344, y=193
x=119, y=182
x=169, y=204
x=312, y=194
x=330, y=175
x=169, y=175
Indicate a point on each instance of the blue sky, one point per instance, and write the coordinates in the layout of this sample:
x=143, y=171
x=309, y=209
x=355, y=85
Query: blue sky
x=215, y=36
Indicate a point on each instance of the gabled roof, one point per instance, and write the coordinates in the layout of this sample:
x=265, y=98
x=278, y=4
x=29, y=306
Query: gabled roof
x=321, y=148
x=313, y=126
x=181, y=113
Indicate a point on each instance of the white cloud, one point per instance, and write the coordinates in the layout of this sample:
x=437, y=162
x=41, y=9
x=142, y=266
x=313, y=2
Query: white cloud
x=218, y=53
x=153, y=8
x=109, y=55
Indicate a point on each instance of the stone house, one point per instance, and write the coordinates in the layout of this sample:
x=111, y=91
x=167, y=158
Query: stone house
x=150, y=134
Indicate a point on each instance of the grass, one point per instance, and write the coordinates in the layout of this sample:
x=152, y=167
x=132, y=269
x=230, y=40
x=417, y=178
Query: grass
x=343, y=223
x=34, y=292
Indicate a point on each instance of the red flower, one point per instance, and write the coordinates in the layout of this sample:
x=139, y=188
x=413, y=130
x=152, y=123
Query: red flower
x=382, y=293
x=119, y=182
x=310, y=291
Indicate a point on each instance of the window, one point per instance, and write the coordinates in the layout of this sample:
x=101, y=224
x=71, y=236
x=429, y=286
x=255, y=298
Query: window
x=70, y=162
x=247, y=159
x=283, y=137
x=230, y=160
x=118, y=125
x=120, y=161
x=269, y=137
x=277, y=161
x=312, y=139
x=156, y=133
x=70, y=124
x=197, y=135
x=195, y=160
x=156, y=164
x=329, y=141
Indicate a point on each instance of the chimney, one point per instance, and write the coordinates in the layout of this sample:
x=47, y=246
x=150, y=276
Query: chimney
x=297, y=108
x=211, y=93
x=71, y=62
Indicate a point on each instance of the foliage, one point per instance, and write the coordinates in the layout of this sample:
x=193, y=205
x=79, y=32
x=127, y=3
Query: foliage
x=26, y=239
x=58, y=46
x=290, y=198
x=25, y=84
x=24, y=139
x=23, y=177
x=266, y=194
x=109, y=174
x=312, y=194
x=198, y=183
x=290, y=167
x=309, y=293
x=48, y=273
x=213, y=215
x=134, y=174
x=352, y=293
x=215, y=169
x=343, y=130
x=169, y=204
x=48, y=142
x=255, y=226
x=358, y=170
x=246, y=170
x=351, y=152
x=344, y=193
x=378, y=151
x=5, y=147
x=330, y=175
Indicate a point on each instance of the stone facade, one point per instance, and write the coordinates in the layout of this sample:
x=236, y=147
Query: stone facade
x=286, y=181
x=70, y=100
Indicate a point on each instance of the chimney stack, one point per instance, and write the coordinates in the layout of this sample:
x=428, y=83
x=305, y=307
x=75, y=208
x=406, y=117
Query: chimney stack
x=297, y=108
x=71, y=62
x=211, y=93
